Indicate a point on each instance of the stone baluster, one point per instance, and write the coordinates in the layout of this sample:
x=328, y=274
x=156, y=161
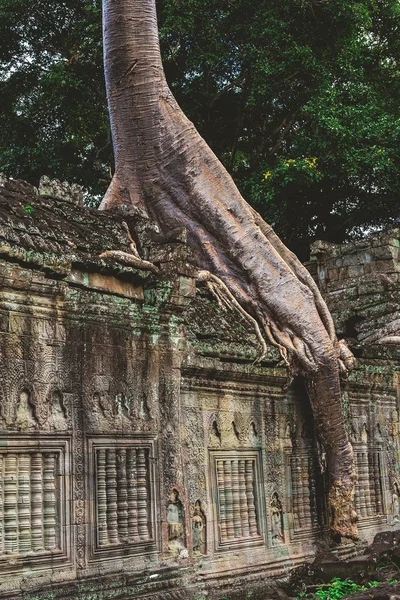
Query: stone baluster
x=49, y=501
x=37, y=502
x=372, y=490
x=357, y=502
x=143, y=519
x=298, y=509
x=10, y=504
x=222, y=500
x=1, y=505
x=305, y=491
x=377, y=472
x=24, y=504
x=102, y=498
x=230, y=530
x=363, y=483
x=236, y=499
x=111, y=493
x=122, y=493
x=249, y=476
x=244, y=509
x=313, y=491
x=132, y=495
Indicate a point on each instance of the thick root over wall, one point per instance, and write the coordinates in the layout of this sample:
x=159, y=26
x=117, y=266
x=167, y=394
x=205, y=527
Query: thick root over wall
x=166, y=168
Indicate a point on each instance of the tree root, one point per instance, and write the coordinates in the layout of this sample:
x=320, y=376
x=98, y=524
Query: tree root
x=346, y=358
x=226, y=299
x=342, y=516
x=131, y=260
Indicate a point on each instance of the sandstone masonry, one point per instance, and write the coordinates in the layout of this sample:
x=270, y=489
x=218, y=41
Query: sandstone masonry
x=142, y=453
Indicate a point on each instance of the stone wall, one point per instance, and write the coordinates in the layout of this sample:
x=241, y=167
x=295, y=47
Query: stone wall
x=142, y=453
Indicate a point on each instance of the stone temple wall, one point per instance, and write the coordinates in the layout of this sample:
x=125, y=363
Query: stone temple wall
x=142, y=453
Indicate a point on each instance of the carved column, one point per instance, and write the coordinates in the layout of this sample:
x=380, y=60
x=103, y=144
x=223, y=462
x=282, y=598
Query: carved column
x=230, y=530
x=132, y=495
x=10, y=504
x=122, y=494
x=111, y=489
x=102, y=498
x=236, y=500
x=24, y=504
x=222, y=500
x=1, y=505
x=37, y=501
x=49, y=501
x=249, y=475
x=377, y=481
x=244, y=509
x=143, y=518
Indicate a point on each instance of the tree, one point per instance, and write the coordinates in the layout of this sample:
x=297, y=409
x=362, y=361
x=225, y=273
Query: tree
x=165, y=168
x=300, y=99
x=53, y=114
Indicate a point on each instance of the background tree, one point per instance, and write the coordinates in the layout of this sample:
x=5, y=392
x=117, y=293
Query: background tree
x=298, y=98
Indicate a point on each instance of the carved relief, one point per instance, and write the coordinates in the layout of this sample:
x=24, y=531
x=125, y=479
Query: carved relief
x=199, y=533
x=24, y=418
x=232, y=433
x=215, y=437
x=124, y=499
x=176, y=525
x=33, y=504
x=277, y=526
x=303, y=485
x=58, y=412
x=237, y=488
x=395, y=504
x=121, y=411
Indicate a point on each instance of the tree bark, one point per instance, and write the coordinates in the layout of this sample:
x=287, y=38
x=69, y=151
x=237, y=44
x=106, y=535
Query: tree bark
x=164, y=166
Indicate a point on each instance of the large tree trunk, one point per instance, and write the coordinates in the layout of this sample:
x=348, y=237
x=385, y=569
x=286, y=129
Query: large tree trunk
x=164, y=166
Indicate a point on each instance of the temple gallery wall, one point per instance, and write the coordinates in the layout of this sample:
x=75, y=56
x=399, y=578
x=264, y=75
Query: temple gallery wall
x=142, y=453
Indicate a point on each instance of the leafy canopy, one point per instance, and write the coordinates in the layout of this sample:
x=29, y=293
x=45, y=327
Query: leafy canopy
x=298, y=98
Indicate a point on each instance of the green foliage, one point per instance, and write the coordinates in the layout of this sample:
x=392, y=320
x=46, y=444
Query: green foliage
x=300, y=99
x=338, y=589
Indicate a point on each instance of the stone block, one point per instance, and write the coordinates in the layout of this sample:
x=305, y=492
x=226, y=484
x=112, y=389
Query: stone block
x=355, y=271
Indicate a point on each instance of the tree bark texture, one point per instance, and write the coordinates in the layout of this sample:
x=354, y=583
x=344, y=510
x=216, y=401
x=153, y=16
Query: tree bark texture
x=165, y=167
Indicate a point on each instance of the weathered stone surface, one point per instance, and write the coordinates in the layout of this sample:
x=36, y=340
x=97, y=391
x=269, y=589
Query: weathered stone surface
x=142, y=453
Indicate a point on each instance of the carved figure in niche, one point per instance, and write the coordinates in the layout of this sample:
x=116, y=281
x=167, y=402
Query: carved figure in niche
x=253, y=436
x=276, y=520
x=103, y=402
x=144, y=412
x=215, y=434
x=176, y=526
x=198, y=529
x=121, y=405
x=24, y=415
x=395, y=504
x=364, y=434
x=236, y=432
x=58, y=411
x=353, y=432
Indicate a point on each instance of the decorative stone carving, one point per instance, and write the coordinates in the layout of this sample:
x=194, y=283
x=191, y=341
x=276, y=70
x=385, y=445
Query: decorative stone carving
x=199, y=533
x=33, y=501
x=24, y=413
x=176, y=525
x=58, y=412
x=121, y=411
x=238, y=508
x=277, y=527
x=395, y=506
x=123, y=496
x=215, y=437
